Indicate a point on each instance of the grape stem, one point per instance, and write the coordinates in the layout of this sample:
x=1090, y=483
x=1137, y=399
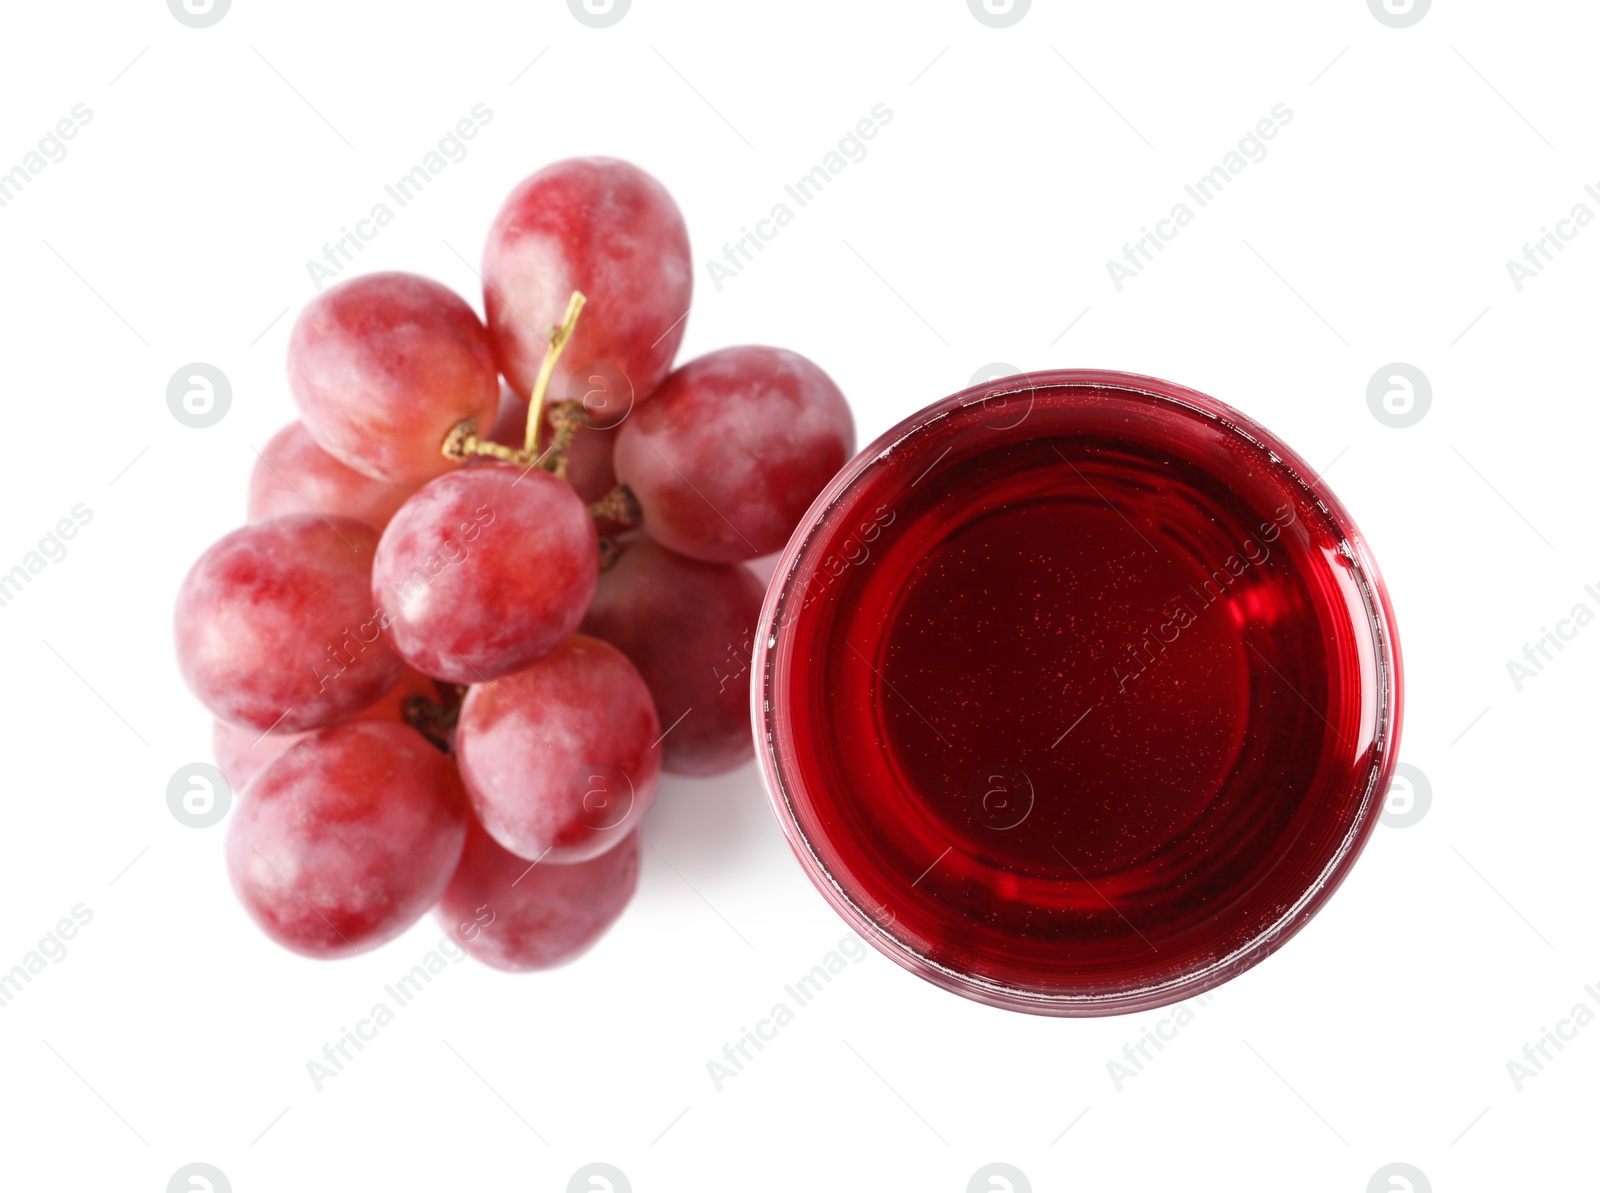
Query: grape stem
x=565, y=417
x=619, y=505
x=559, y=335
x=432, y=719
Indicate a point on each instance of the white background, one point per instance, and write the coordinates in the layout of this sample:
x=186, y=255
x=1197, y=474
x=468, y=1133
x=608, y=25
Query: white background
x=977, y=229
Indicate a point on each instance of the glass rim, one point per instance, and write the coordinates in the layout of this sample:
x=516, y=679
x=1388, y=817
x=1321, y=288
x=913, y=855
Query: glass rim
x=765, y=711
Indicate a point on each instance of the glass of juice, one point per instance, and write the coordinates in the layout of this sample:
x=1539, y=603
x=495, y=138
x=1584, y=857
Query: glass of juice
x=1077, y=693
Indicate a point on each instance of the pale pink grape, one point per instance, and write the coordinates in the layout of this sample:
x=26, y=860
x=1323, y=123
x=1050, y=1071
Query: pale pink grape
x=602, y=227
x=276, y=627
x=382, y=368
x=485, y=570
x=689, y=627
x=347, y=838
x=292, y=475
x=242, y=753
x=516, y=915
x=562, y=758
x=729, y=453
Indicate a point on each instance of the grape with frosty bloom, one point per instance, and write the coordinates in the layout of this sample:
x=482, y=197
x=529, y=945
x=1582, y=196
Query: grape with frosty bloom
x=276, y=627
x=467, y=627
x=516, y=915
x=347, y=838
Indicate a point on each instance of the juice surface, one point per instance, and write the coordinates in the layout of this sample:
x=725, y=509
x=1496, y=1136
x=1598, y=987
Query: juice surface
x=1078, y=692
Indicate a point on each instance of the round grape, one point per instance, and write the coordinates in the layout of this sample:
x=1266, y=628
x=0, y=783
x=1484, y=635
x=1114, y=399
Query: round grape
x=347, y=838
x=276, y=627
x=511, y=419
x=485, y=570
x=519, y=915
x=562, y=758
x=602, y=227
x=728, y=455
x=689, y=628
x=382, y=368
x=242, y=753
x=292, y=475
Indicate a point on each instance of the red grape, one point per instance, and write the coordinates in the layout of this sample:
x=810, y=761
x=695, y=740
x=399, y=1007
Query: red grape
x=589, y=468
x=484, y=570
x=515, y=914
x=242, y=753
x=689, y=628
x=562, y=758
x=384, y=366
x=347, y=838
x=292, y=475
x=732, y=449
x=511, y=419
x=276, y=627
x=609, y=230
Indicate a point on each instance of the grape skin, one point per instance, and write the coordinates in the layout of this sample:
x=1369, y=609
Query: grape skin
x=242, y=753
x=382, y=368
x=689, y=629
x=729, y=453
x=510, y=424
x=347, y=838
x=376, y=569
x=485, y=570
x=534, y=745
x=292, y=475
x=517, y=915
x=602, y=227
x=276, y=628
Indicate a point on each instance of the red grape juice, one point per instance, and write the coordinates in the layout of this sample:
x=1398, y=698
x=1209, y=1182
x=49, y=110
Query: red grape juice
x=1077, y=693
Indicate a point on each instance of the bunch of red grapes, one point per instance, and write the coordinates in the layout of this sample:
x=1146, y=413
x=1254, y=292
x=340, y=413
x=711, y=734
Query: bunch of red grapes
x=464, y=631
